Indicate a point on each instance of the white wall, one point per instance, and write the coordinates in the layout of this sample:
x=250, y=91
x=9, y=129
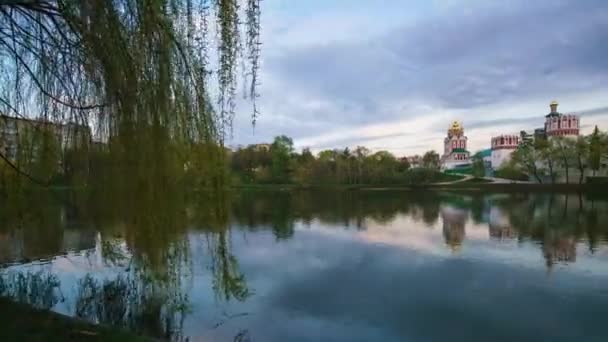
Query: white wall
x=499, y=157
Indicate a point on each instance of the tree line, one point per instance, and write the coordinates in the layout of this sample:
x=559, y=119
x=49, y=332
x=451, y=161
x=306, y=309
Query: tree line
x=279, y=163
x=548, y=159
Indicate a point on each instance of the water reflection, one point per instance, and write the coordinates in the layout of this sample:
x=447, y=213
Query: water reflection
x=152, y=263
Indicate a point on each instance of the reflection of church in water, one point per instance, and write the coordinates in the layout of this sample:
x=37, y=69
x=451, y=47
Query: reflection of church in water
x=500, y=226
x=559, y=248
x=454, y=222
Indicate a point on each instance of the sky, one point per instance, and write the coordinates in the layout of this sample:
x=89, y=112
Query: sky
x=393, y=74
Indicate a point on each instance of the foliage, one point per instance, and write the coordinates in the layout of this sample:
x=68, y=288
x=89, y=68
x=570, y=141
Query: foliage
x=281, y=151
x=255, y=164
x=558, y=156
x=525, y=159
x=597, y=180
x=595, y=151
x=134, y=74
x=510, y=171
x=582, y=156
x=281, y=165
x=431, y=160
x=479, y=169
x=548, y=156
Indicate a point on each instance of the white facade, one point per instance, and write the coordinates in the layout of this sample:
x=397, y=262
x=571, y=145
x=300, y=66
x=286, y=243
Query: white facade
x=558, y=124
x=455, y=154
x=503, y=147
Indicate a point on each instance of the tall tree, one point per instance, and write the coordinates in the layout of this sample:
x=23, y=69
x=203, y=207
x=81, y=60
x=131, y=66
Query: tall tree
x=430, y=160
x=526, y=157
x=479, y=169
x=581, y=151
x=565, y=152
x=281, y=151
x=547, y=154
x=595, y=151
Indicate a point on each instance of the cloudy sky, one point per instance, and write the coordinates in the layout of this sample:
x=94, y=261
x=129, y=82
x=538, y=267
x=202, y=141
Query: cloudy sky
x=393, y=74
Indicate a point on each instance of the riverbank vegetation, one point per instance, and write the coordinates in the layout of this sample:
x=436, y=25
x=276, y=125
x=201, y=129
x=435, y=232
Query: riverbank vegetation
x=279, y=163
x=23, y=323
x=559, y=159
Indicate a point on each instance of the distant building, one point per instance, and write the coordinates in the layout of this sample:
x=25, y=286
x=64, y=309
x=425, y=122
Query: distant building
x=261, y=147
x=503, y=147
x=414, y=161
x=540, y=133
x=558, y=124
x=455, y=154
x=12, y=128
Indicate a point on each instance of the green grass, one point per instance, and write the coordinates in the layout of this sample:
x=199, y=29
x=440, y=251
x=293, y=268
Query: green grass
x=22, y=323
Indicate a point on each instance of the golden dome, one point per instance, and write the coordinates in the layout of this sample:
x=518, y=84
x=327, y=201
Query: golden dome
x=456, y=125
x=554, y=103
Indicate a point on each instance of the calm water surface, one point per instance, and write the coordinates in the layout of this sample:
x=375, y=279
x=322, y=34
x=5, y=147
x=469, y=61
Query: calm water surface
x=312, y=266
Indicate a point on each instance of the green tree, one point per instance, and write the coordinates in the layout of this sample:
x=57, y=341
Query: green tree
x=430, y=160
x=581, y=151
x=361, y=153
x=595, y=151
x=564, y=150
x=526, y=157
x=479, y=169
x=305, y=162
x=281, y=151
x=548, y=155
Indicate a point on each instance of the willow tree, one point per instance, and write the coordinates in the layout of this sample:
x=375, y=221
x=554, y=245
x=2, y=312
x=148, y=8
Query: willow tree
x=136, y=72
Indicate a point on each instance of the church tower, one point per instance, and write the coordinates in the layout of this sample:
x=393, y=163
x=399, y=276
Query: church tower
x=455, y=154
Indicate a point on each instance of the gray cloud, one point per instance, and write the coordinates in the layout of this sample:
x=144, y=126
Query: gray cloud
x=461, y=61
x=531, y=121
x=452, y=61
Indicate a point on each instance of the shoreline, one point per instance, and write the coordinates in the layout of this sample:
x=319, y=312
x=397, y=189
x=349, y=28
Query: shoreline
x=22, y=322
x=460, y=186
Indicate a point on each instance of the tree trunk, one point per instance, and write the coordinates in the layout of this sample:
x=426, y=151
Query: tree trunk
x=581, y=169
x=551, y=173
x=535, y=172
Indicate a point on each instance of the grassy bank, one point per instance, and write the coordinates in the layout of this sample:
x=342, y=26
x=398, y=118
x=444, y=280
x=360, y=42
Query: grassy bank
x=462, y=186
x=22, y=323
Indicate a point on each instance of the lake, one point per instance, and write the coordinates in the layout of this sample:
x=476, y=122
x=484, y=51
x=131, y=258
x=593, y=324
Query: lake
x=319, y=266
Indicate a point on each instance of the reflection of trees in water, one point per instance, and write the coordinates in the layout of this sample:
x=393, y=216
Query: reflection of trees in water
x=136, y=301
x=145, y=236
x=37, y=220
x=228, y=281
x=212, y=221
x=280, y=210
x=557, y=221
x=38, y=289
x=558, y=247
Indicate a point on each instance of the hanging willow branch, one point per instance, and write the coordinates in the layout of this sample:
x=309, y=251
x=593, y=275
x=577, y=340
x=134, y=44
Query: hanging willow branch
x=123, y=67
x=253, y=50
